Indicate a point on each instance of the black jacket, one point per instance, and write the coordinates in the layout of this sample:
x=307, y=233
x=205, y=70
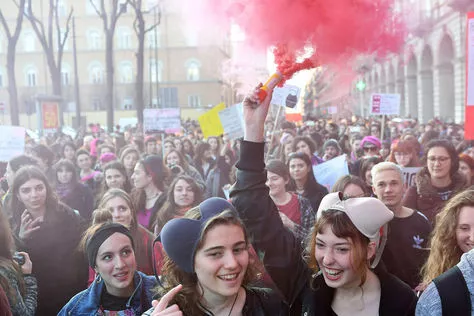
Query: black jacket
x=81, y=199
x=283, y=257
x=61, y=271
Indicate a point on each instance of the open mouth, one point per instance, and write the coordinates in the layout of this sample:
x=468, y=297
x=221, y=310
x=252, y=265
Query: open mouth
x=229, y=277
x=121, y=276
x=333, y=274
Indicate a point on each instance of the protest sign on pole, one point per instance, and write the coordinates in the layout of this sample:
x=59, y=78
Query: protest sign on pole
x=327, y=173
x=409, y=176
x=232, y=120
x=287, y=96
x=12, y=142
x=167, y=120
x=469, y=119
x=50, y=116
x=211, y=123
x=384, y=104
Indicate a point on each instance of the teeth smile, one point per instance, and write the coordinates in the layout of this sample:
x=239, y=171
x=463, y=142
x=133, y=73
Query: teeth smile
x=332, y=272
x=229, y=276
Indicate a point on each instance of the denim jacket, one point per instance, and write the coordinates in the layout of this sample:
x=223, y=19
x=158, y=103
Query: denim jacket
x=87, y=302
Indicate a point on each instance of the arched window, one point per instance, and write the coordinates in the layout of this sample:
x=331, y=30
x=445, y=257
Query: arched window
x=65, y=74
x=96, y=73
x=31, y=76
x=126, y=72
x=94, y=39
x=29, y=44
x=192, y=70
x=124, y=37
x=155, y=70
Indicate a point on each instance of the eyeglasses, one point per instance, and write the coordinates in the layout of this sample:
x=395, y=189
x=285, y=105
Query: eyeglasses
x=434, y=159
x=373, y=149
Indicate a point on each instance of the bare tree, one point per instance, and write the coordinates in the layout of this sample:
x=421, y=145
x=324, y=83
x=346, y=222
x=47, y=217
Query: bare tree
x=140, y=28
x=12, y=41
x=52, y=40
x=109, y=16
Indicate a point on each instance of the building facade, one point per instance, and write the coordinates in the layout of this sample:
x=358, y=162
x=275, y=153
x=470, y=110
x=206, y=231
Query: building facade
x=430, y=72
x=178, y=71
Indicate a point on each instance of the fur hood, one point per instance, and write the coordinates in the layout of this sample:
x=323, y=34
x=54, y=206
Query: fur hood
x=424, y=186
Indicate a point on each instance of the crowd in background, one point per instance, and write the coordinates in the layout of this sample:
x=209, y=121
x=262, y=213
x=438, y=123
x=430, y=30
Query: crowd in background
x=63, y=192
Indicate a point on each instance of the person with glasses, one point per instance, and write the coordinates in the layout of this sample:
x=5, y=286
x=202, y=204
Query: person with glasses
x=303, y=181
x=371, y=146
x=404, y=154
x=438, y=181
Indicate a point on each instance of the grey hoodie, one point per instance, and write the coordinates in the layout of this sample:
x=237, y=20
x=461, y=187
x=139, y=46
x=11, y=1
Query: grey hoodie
x=429, y=303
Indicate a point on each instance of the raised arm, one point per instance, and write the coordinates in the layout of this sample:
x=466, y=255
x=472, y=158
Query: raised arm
x=282, y=251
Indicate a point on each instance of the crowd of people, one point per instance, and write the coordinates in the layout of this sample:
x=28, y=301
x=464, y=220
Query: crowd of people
x=132, y=223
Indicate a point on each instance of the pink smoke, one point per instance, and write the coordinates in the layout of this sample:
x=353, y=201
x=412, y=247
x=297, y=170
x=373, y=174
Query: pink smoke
x=336, y=30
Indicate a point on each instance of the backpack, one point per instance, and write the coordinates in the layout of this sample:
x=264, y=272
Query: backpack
x=453, y=292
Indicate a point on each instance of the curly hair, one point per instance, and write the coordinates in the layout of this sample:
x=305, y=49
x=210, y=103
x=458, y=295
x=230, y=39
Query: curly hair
x=445, y=252
x=188, y=299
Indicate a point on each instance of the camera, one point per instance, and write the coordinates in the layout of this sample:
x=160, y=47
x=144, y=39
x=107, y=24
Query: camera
x=19, y=258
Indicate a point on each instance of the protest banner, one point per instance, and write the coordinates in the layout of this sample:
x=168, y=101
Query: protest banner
x=12, y=142
x=409, y=176
x=384, y=104
x=165, y=119
x=327, y=173
x=232, y=120
x=211, y=123
x=49, y=116
x=469, y=115
x=287, y=96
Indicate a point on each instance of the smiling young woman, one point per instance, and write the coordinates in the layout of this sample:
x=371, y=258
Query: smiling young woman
x=208, y=260
x=119, y=288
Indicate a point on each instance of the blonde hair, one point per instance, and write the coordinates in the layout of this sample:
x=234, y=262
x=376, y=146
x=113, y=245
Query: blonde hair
x=445, y=252
x=386, y=166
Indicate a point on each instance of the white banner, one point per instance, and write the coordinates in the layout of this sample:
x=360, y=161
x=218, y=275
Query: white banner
x=385, y=104
x=409, y=175
x=12, y=142
x=167, y=120
x=232, y=120
x=327, y=173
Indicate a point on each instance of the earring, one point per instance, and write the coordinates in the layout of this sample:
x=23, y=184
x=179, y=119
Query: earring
x=98, y=278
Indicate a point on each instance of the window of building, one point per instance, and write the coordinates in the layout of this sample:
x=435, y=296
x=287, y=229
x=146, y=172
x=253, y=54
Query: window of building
x=26, y=9
x=153, y=38
x=124, y=38
x=94, y=40
x=191, y=38
x=66, y=75
x=127, y=103
x=31, y=76
x=96, y=73
x=193, y=70
x=29, y=44
x=194, y=101
x=96, y=104
x=155, y=70
x=126, y=72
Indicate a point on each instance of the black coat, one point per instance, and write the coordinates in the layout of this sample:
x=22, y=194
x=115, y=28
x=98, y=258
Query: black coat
x=283, y=257
x=80, y=198
x=61, y=271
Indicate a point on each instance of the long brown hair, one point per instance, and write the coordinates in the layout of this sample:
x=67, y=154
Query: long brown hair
x=188, y=299
x=342, y=227
x=170, y=208
x=445, y=252
x=6, y=260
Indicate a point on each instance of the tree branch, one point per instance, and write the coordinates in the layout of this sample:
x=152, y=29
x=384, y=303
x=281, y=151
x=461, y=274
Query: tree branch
x=95, y=8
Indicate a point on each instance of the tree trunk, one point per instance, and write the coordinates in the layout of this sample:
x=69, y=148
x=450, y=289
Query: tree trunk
x=55, y=73
x=140, y=72
x=12, y=88
x=109, y=64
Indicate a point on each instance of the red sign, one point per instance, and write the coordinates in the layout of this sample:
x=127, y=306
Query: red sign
x=469, y=119
x=50, y=115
